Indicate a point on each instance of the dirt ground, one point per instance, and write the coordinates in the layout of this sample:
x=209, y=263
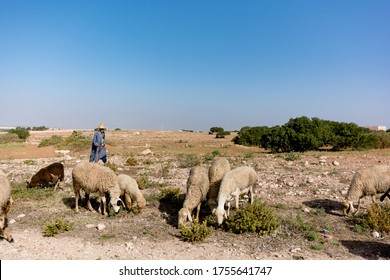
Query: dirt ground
x=306, y=187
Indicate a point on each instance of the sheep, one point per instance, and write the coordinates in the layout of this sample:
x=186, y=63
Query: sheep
x=5, y=205
x=197, y=187
x=92, y=177
x=47, y=176
x=129, y=189
x=387, y=193
x=368, y=181
x=236, y=182
x=217, y=170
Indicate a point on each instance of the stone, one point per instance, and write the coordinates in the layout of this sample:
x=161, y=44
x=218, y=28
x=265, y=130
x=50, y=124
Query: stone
x=335, y=163
x=90, y=226
x=375, y=234
x=21, y=216
x=101, y=226
x=146, y=152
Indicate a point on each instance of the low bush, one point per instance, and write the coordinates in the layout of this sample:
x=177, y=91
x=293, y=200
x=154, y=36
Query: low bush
x=187, y=161
x=54, y=140
x=58, y=226
x=257, y=218
x=112, y=165
x=9, y=138
x=131, y=161
x=171, y=196
x=377, y=218
x=196, y=232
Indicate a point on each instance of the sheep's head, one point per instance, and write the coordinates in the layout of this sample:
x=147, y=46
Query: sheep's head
x=220, y=213
x=183, y=216
x=347, y=207
x=141, y=202
x=115, y=203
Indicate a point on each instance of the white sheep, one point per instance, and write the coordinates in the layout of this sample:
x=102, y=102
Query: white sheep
x=236, y=182
x=129, y=189
x=368, y=181
x=197, y=188
x=217, y=170
x=5, y=205
x=92, y=177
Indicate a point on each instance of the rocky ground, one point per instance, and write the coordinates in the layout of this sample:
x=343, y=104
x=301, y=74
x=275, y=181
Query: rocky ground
x=305, y=187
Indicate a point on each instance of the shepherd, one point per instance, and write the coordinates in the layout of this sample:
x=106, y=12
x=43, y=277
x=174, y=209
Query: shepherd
x=98, y=150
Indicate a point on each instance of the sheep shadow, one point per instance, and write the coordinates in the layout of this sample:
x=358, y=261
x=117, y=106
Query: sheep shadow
x=331, y=207
x=370, y=250
x=70, y=202
x=170, y=208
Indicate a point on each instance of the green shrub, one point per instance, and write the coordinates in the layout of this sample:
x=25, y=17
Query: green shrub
x=187, y=161
x=76, y=141
x=212, y=155
x=216, y=129
x=377, y=218
x=22, y=133
x=312, y=236
x=196, y=232
x=9, y=138
x=112, y=165
x=222, y=134
x=144, y=182
x=258, y=218
x=54, y=140
x=58, y=226
x=171, y=196
x=30, y=162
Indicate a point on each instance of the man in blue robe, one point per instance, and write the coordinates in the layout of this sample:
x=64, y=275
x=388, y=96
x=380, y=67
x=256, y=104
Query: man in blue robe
x=98, y=150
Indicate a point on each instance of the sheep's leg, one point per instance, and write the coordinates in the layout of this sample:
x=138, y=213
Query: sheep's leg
x=197, y=212
x=237, y=197
x=56, y=185
x=76, y=198
x=89, y=205
x=128, y=201
x=374, y=199
x=358, y=207
x=251, y=195
x=228, y=209
x=103, y=202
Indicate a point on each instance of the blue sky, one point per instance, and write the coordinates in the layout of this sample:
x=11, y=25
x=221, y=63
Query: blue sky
x=193, y=64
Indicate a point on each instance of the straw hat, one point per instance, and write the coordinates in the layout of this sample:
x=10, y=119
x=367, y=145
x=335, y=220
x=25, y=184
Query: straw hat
x=101, y=126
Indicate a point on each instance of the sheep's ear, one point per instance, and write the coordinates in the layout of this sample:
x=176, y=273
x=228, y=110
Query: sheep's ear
x=189, y=217
x=214, y=211
x=224, y=213
x=28, y=184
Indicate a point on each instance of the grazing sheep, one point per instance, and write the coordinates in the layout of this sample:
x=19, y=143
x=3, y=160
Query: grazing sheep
x=236, y=182
x=129, y=189
x=387, y=193
x=92, y=177
x=217, y=170
x=197, y=188
x=5, y=205
x=47, y=176
x=368, y=181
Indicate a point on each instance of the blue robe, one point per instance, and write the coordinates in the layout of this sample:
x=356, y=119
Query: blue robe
x=98, y=149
